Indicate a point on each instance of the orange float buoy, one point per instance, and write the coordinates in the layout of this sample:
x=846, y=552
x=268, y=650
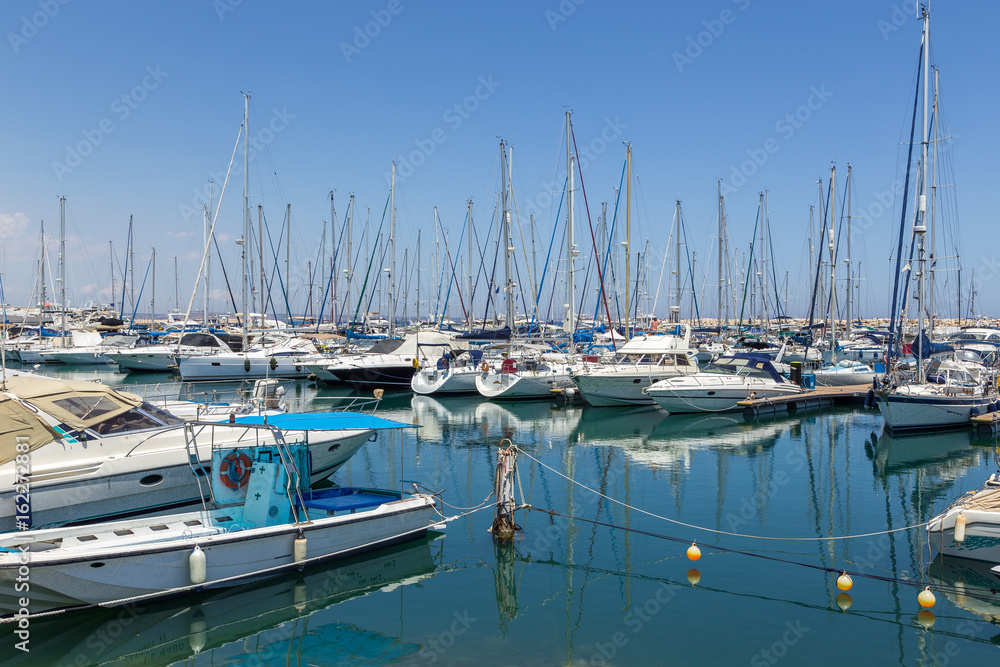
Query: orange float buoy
x=693, y=552
x=926, y=598
x=844, y=582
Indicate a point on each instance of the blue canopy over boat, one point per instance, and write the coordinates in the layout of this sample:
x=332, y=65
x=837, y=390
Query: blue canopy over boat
x=322, y=421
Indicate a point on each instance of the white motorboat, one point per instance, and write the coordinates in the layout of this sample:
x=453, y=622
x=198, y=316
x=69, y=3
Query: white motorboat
x=267, y=524
x=970, y=526
x=721, y=384
x=843, y=373
x=163, y=357
x=275, y=356
x=94, y=354
x=639, y=363
x=93, y=452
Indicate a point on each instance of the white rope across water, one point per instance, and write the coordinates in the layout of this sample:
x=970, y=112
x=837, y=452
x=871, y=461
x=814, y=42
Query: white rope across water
x=711, y=530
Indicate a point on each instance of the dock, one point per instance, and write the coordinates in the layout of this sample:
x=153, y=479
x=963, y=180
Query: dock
x=986, y=425
x=820, y=397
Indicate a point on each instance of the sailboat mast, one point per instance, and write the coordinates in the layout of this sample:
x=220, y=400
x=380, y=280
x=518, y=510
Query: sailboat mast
x=392, y=254
x=350, y=255
x=507, y=240
x=930, y=272
x=62, y=267
x=468, y=214
x=628, y=232
x=680, y=286
x=920, y=228
x=833, y=263
x=722, y=222
x=847, y=308
x=111, y=255
x=246, y=216
x=570, y=324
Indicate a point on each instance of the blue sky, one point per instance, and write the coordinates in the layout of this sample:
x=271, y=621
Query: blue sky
x=151, y=93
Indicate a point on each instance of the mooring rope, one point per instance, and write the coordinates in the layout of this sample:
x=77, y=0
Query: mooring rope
x=713, y=530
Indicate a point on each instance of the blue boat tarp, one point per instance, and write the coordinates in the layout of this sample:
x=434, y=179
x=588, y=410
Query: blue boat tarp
x=322, y=421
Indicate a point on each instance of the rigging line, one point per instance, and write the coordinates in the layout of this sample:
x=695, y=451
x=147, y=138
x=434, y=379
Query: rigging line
x=610, y=235
x=713, y=530
x=819, y=263
x=902, y=215
x=593, y=239
x=368, y=271
x=548, y=255
x=454, y=276
x=746, y=283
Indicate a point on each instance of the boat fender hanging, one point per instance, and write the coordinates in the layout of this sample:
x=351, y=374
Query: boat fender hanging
x=273, y=363
x=416, y=364
x=299, y=549
x=870, y=399
x=196, y=566
x=234, y=471
x=974, y=412
x=246, y=364
x=960, y=527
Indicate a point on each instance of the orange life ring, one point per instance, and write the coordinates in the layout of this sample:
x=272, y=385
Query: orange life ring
x=485, y=367
x=234, y=471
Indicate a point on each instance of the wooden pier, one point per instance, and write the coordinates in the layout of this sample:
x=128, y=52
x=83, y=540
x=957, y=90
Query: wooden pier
x=986, y=425
x=820, y=397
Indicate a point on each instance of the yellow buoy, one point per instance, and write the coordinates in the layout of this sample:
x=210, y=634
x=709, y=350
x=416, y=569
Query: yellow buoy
x=844, y=601
x=197, y=566
x=926, y=618
x=844, y=582
x=694, y=576
x=694, y=553
x=960, y=527
x=926, y=598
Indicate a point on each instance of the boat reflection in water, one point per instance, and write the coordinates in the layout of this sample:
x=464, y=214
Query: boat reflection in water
x=651, y=437
x=968, y=584
x=277, y=618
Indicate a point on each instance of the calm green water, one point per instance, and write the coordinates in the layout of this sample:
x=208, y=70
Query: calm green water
x=576, y=592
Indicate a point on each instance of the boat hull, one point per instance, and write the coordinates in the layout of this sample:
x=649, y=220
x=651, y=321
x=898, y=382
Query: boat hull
x=721, y=399
x=904, y=413
x=67, y=577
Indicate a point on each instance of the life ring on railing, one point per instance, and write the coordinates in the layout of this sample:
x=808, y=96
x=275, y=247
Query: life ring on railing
x=485, y=367
x=234, y=471
x=416, y=364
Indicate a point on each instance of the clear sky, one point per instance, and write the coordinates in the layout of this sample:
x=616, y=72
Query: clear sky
x=130, y=108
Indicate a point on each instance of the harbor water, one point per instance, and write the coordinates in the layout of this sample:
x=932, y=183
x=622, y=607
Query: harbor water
x=600, y=573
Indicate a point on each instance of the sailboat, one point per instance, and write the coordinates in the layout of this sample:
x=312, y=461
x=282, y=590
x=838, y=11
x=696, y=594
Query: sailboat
x=910, y=398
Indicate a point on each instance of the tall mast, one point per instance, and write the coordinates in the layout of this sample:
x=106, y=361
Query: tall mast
x=417, y=309
x=920, y=228
x=392, y=254
x=628, y=234
x=332, y=281
x=246, y=216
x=570, y=323
x=350, y=256
x=208, y=256
x=62, y=267
x=111, y=255
x=288, y=253
x=722, y=222
x=833, y=263
x=847, y=307
x=680, y=287
x=930, y=272
x=41, y=280
x=468, y=214
x=507, y=241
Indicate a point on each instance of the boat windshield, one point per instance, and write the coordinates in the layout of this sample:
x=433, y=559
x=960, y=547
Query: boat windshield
x=725, y=366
